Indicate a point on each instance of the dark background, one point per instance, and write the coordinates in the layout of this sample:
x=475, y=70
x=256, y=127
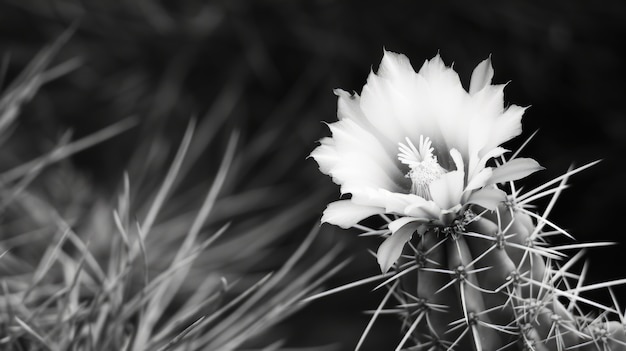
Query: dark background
x=269, y=67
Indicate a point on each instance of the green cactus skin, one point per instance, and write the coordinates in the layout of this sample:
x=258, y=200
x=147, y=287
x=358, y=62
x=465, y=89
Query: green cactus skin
x=488, y=282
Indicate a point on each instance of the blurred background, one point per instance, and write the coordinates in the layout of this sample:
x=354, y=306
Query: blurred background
x=267, y=68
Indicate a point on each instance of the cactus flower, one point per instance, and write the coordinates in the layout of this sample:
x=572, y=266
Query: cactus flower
x=418, y=146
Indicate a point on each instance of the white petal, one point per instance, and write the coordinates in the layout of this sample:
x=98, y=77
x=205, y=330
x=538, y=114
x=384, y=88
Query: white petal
x=480, y=165
x=436, y=72
x=391, y=249
x=484, y=111
x=367, y=196
x=507, y=126
x=355, y=159
x=400, y=103
x=479, y=180
x=447, y=190
x=394, y=65
x=458, y=159
x=345, y=214
x=325, y=155
x=398, y=202
x=351, y=138
x=409, y=205
x=427, y=210
x=446, y=99
x=386, y=94
x=349, y=107
x=393, y=99
x=513, y=170
x=481, y=76
x=394, y=226
x=488, y=198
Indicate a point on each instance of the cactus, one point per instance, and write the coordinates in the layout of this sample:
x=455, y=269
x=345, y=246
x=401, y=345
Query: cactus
x=488, y=282
x=469, y=266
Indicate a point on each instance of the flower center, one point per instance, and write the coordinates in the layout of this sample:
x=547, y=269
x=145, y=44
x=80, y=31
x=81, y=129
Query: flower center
x=424, y=168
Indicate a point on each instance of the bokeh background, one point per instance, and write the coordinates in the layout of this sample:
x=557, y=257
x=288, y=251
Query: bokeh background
x=267, y=68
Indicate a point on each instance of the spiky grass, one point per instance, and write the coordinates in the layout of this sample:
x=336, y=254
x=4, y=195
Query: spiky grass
x=122, y=275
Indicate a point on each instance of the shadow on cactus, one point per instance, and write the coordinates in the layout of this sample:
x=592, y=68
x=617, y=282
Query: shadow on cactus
x=465, y=259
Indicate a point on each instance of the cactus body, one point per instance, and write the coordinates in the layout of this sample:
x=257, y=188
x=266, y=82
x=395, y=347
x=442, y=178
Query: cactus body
x=480, y=285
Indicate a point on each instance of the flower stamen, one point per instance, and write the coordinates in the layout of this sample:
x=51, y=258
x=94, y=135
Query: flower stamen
x=424, y=168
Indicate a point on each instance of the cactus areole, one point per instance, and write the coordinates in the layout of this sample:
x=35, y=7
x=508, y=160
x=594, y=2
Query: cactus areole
x=467, y=262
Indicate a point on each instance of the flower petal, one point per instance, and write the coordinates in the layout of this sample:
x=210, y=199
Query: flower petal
x=505, y=127
x=395, y=225
x=409, y=205
x=458, y=159
x=391, y=249
x=397, y=202
x=439, y=75
x=488, y=198
x=484, y=110
x=345, y=214
x=355, y=159
x=325, y=155
x=349, y=107
x=388, y=99
x=480, y=165
x=479, y=180
x=445, y=99
x=514, y=169
x=447, y=190
x=481, y=76
x=427, y=210
x=401, y=103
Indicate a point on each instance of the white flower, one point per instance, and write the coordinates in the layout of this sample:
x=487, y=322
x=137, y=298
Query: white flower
x=416, y=145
